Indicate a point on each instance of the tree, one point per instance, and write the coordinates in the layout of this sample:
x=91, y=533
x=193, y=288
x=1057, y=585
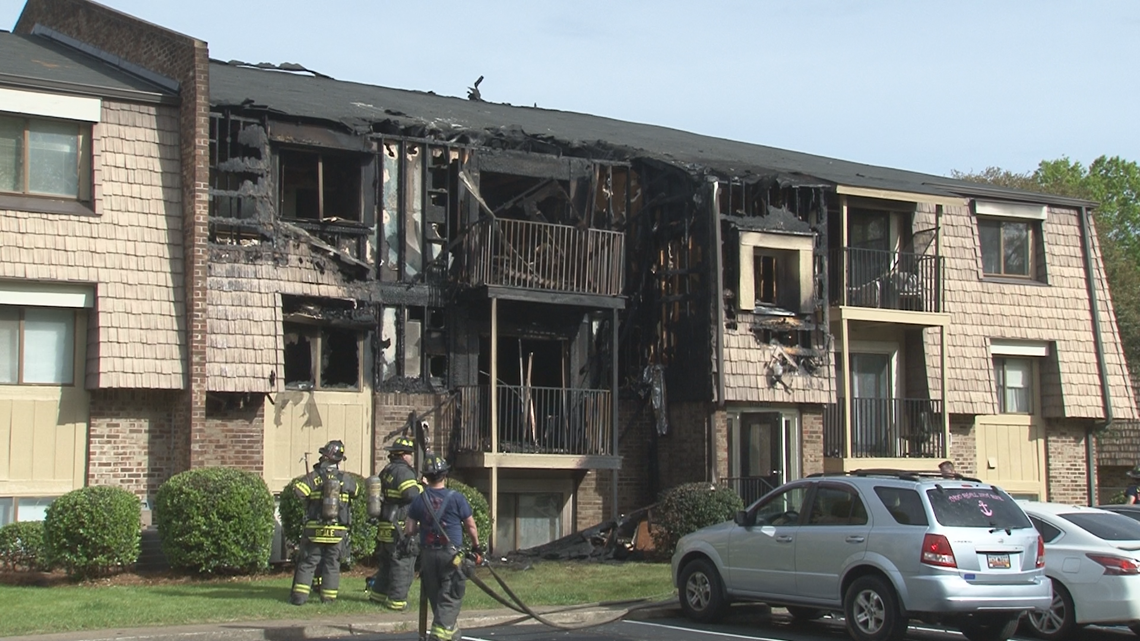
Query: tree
x=1114, y=183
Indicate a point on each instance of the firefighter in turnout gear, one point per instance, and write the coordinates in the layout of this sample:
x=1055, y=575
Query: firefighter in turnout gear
x=326, y=492
x=398, y=488
x=441, y=516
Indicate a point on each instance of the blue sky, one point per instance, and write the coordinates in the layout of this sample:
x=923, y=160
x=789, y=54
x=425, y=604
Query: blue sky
x=922, y=85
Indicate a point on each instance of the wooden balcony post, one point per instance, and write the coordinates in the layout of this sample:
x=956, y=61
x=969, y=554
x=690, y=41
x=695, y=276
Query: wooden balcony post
x=844, y=341
x=494, y=401
x=614, y=514
x=942, y=382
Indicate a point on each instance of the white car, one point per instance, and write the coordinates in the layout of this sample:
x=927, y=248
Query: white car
x=1092, y=557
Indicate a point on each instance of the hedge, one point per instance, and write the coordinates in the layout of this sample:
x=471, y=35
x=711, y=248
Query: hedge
x=688, y=508
x=481, y=511
x=93, y=531
x=215, y=520
x=22, y=546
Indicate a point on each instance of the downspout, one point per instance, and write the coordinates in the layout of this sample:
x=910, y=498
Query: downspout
x=718, y=333
x=1102, y=367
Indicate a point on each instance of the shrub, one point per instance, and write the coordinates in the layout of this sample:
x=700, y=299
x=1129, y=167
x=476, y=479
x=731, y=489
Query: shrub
x=688, y=508
x=1117, y=499
x=361, y=534
x=90, y=531
x=215, y=520
x=479, y=508
x=22, y=546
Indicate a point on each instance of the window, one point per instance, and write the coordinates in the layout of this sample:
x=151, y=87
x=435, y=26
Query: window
x=1107, y=527
x=1007, y=246
x=903, y=504
x=1014, y=379
x=1048, y=532
x=45, y=157
x=321, y=357
x=783, y=508
x=414, y=344
x=23, y=509
x=976, y=507
x=528, y=519
x=37, y=345
x=835, y=506
x=775, y=272
x=320, y=186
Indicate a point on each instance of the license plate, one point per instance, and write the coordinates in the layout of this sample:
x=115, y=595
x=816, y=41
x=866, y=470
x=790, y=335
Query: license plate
x=997, y=561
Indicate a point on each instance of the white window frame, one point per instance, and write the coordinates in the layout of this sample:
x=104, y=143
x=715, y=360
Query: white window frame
x=802, y=246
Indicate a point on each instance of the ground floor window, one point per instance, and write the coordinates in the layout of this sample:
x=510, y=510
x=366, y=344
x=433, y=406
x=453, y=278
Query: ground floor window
x=322, y=357
x=13, y=509
x=37, y=345
x=527, y=519
x=1014, y=378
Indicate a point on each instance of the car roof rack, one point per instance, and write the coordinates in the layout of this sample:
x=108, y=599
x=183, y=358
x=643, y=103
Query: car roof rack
x=906, y=475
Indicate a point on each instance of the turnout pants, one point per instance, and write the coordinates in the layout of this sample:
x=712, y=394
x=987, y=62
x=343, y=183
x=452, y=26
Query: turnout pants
x=393, y=578
x=444, y=583
x=326, y=556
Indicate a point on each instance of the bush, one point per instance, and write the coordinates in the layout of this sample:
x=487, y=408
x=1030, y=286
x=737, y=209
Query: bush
x=1117, y=499
x=479, y=507
x=361, y=534
x=215, y=520
x=688, y=508
x=90, y=531
x=22, y=546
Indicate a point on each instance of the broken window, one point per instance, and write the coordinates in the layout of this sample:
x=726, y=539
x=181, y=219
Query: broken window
x=238, y=189
x=419, y=200
x=330, y=355
x=414, y=344
x=776, y=273
x=319, y=186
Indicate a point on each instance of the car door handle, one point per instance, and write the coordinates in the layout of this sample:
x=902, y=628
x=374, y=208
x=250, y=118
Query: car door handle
x=784, y=538
x=856, y=539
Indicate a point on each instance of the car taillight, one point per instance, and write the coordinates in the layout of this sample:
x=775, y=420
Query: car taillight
x=936, y=550
x=1116, y=565
x=1040, y=551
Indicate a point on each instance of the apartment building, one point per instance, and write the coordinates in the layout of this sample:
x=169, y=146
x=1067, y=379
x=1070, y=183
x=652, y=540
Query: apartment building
x=583, y=311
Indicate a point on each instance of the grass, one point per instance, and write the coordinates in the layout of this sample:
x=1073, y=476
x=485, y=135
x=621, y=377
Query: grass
x=94, y=606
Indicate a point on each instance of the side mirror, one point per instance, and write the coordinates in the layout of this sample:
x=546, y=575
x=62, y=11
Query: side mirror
x=744, y=519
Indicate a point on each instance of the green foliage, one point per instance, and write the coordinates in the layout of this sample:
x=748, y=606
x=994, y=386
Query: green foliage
x=1114, y=183
x=688, y=508
x=22, y=546
x=1116, y=499
x=93, y=530
x=215, y=520
x=480, y=510
x=361, y=533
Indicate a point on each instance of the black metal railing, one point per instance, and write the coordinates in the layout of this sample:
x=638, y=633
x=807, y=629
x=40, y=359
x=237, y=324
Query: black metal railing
x=543, y=256
x=886, y=280
x=885, y=428
x=537, y=420
x=751, y=488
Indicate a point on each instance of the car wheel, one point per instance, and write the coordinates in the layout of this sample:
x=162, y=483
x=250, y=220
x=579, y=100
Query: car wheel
x=872, y=611
x=994, y=627
x=702, y=592
x=800, y=613
x=1059, y=621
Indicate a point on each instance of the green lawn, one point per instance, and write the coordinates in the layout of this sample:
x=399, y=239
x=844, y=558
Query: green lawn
x=92, y=606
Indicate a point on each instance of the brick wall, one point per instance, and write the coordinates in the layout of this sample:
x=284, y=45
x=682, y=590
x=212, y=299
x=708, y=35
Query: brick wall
x=964, y=448
x=1065, y=463
x=683, y=452
x=593, y=499
x=391, y=413
x=132, y=442
x=811, y=440
x=235, y=425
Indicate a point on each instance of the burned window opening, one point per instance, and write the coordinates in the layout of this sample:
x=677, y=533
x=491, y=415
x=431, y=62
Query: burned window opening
x=298, y=358
x=418, y=194
x=337, y=350
x=319, y=186
x=238, y=188
x=414, y=351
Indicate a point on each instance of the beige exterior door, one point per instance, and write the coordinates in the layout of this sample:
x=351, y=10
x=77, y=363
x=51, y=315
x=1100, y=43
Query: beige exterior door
x=299, y=422
x=1011, y=453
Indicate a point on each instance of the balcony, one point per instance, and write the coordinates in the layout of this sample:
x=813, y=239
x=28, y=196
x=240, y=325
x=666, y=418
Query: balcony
x=544, y=257
x=537, y=427
x=878, y=279
x=886, y=428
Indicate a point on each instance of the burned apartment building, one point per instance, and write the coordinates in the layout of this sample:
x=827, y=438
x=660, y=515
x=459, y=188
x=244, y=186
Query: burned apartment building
x=584, y=311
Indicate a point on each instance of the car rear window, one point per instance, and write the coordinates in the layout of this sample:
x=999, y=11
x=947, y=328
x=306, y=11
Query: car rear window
x=1106, y=526
x=976, y=507
x=904, y=505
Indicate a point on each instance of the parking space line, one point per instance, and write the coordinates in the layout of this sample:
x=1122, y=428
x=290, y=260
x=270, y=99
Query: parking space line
x=708, y=632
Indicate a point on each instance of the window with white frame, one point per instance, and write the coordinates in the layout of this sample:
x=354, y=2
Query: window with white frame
x=775, y=272
x=23, y=509
x=1009, y=234
x=45, y=157
x=1014, y=379
x=37, y=345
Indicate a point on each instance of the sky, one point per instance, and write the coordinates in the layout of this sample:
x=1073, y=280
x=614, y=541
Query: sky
x=925, y=85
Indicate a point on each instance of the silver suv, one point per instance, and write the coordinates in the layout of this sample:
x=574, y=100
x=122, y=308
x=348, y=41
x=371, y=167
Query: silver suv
x=882, y=547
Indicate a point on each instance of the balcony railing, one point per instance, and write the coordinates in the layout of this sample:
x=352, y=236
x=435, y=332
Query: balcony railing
x=885, y=428
x=886, y=280
x=751, y=488
x=537, y=420
x=542, y=256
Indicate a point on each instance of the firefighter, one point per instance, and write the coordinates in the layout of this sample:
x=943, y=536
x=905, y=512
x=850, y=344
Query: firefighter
x=441, y=515
x=399, y=487
x=326, y=492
